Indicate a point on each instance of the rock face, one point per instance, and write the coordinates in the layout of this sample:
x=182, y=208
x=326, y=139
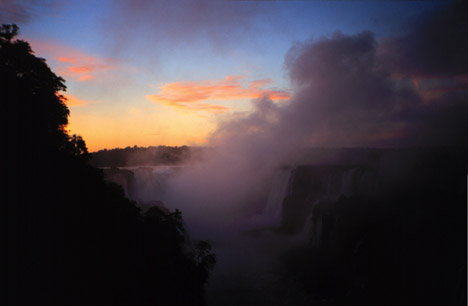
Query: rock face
x=389, y=234
x=315, y=185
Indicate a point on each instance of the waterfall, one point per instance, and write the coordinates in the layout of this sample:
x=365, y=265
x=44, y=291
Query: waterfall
x=149, y=183
x=307, y=230
x=123, y=181
x=145, y=186
x=347, y=182
x=280, y=188
x=142, y=184
x=341, y=183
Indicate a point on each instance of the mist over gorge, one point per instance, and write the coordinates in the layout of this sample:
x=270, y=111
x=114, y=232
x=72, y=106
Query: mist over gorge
x=349, y=91
x=324, y=195
x=343, y=182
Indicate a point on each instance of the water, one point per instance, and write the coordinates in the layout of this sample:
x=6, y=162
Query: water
x=280, y=188
x=145, y=183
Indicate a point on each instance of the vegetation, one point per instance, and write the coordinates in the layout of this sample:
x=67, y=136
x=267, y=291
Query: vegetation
x=137, y=156
x=74, y=238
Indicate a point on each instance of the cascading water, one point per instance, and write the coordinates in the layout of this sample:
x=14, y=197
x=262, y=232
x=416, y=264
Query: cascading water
x=348, y=182
x=305, y=234
x=335, y=182
x=149, y=183
x=146, y=185
x=280, y=188
x=341, y=183
x=142, y=184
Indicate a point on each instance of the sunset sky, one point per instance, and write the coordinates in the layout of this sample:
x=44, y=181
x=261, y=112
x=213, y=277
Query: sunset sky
x=166, y=72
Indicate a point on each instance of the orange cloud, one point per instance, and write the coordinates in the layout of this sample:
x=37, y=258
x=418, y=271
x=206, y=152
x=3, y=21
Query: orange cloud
x=73, y=63
x=64, y=59
x=261, y=83
x=440, y=86
x=85, y=77
x=73, y=101
x=82, y=71
x=432, y=87
x=190, y=95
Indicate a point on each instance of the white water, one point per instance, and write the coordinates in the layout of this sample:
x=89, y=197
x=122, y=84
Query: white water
x=341, y=183
x=280, y=188
x=148, y=183
x=305, y=235
x=348, y=182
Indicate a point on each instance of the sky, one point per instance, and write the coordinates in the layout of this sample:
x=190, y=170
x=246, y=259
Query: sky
x=151, y=73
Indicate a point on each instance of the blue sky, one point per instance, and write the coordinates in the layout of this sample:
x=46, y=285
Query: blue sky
x=115, y=55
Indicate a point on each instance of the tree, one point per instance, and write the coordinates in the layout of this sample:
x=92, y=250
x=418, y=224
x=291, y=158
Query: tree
x=31, y=90
x=74, y=238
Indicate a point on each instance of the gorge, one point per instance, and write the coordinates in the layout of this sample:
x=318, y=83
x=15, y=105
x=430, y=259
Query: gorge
x=350, y=225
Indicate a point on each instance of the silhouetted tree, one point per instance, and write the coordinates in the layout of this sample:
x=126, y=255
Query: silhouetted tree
x=74, y=238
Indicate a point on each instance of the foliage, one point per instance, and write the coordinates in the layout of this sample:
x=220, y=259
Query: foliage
x=137, y=156
x=75, y=239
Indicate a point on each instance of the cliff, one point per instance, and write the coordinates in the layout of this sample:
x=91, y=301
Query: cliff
x=393, y=233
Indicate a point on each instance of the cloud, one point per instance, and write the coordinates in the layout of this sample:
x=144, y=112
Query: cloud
x=65, y=59
x=220, y=23
x=347, y=92
x=436, y=46
x=14, y=11
x=84, y=68
x=73, y=63
x=433, y=89
x=340, y=98
x=190, y=95
x=73, y=101
x=85, y=78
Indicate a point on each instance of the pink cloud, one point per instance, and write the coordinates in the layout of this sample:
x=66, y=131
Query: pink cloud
x=86, y=77
x=191, y=95
x=73, y=63
x=73, y=101
x=66, y=59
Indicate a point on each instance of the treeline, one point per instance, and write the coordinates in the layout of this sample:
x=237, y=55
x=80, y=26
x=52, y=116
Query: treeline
x=140, y=156
x=72, y=237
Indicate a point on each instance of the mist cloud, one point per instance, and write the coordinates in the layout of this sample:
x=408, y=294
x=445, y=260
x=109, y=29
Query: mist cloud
x=346, y=93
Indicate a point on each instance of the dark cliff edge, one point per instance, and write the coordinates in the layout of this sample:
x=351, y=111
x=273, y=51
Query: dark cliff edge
x=391, y=231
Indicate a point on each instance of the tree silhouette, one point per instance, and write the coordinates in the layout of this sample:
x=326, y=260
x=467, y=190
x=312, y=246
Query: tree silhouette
x=74, y=238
